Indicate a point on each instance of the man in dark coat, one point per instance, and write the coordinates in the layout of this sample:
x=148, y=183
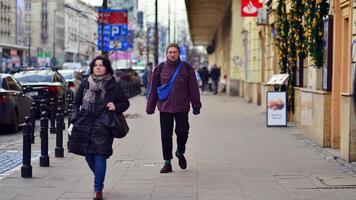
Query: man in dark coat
x=176, y=107
x=215, y=77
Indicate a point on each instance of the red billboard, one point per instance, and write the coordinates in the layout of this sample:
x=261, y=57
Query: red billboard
x=113, y=17
x=249, y=8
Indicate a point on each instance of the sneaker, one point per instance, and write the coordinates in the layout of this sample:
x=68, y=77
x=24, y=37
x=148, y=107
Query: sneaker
x=166, y=168
x=182, y=162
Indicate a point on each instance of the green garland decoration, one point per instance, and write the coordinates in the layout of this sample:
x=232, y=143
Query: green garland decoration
x=282, y=35
x=295, y=47
x=315, y=11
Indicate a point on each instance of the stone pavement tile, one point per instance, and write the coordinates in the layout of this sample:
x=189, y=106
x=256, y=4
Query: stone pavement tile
x=344, y=194
x=310, y=194
x=7, y=194
x=31, y=193
x=296, y=183
x=221, y=194
x=174, y=192
x=76, y=196
x=217, y=180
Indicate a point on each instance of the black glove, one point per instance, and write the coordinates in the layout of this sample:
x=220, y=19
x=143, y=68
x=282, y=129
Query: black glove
x=196, y=111
x=150, y=112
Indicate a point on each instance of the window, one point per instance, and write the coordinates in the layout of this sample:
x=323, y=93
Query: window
x=12, y=84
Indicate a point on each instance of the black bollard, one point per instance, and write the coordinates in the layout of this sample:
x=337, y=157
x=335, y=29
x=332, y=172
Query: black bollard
x=53, y=116
x=59, y=151
x=61, y=107
x=44, y=158
x=69, y=113
x=33, y=113
x=43, y=106
x=26, y=168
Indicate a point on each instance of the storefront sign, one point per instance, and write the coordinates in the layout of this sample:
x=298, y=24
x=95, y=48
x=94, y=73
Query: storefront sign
x=276, y=111
x=249, y=8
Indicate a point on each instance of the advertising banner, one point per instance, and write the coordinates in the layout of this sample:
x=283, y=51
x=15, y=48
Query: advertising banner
x=249, y=8
x=276, y=111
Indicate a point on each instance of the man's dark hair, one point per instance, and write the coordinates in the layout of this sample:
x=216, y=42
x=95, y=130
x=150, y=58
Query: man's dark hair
x=106, y=63
x=175, y=45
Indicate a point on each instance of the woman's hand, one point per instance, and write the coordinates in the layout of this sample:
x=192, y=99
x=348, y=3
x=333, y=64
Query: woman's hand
x=111, y=106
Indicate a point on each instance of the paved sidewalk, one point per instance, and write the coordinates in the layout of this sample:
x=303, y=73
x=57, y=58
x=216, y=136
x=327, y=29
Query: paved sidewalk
x=231, y=156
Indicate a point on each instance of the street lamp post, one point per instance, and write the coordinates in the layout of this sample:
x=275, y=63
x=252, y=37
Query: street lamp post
x=104, y=6
x=156, y=32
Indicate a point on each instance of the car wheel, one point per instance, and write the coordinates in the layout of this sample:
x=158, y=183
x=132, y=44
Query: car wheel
x=14, y=122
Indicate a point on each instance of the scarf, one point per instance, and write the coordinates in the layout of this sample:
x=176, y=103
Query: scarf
x=96, y=84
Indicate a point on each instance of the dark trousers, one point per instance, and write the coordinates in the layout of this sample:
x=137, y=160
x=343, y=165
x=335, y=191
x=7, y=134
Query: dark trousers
x=182, y=131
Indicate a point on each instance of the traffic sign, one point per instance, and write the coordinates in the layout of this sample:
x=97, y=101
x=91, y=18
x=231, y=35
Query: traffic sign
x=110, y=16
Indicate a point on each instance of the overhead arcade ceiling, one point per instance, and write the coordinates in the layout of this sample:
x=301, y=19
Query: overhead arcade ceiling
x=204, y=18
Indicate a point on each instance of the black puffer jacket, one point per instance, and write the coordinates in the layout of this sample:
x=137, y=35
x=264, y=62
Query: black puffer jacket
x=88, y=134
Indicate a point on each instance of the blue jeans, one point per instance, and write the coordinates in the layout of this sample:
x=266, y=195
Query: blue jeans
x=97, y=164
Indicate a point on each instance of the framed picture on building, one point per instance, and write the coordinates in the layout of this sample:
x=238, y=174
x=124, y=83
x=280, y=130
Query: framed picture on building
x=276, y=109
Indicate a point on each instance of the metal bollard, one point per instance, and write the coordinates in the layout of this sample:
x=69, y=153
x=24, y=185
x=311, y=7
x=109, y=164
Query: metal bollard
x=44, y=158
x=59, y=151
x=61, y=106
x=53, y=116
x=33, y=114
x=70, y=109
x=42, y=106
x=26, y=168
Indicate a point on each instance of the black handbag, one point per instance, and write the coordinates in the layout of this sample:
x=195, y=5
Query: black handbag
x=116, y=122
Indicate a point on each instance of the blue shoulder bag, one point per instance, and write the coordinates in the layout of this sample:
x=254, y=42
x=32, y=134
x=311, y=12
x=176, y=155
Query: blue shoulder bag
x=163, y=91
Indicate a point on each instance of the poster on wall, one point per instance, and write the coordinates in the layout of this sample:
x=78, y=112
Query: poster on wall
x=276, y=110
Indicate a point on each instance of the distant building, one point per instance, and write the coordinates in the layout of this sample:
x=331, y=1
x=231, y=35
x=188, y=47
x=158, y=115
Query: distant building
x=58, y=31
x=11, y=35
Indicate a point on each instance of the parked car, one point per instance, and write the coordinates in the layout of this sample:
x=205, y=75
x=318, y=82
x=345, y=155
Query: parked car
x=43, y=85
x=72, y=77
x=14, y=103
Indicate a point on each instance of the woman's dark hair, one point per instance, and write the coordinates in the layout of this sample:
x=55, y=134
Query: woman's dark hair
x=106, y=63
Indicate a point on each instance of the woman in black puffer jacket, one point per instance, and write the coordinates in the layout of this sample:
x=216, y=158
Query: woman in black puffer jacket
x=90, y=138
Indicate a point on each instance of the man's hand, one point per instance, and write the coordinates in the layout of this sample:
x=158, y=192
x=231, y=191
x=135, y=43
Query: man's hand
x=196, y=111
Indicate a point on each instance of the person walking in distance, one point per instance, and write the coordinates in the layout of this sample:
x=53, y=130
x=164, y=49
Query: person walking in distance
x=176, y=107
x=98, y=93
x=215, y=77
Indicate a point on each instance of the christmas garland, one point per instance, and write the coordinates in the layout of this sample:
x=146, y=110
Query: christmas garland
x=282, y=35
x=315, y=11
x=295, y=47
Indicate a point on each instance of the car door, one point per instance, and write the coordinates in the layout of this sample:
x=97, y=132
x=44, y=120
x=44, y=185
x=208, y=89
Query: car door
x=22, y=101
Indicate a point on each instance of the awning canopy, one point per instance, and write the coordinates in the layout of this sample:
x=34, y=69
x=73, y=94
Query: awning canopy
x=204, y=18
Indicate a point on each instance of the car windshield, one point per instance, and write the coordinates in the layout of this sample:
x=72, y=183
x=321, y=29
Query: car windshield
x=35, y=78
x=67, y=75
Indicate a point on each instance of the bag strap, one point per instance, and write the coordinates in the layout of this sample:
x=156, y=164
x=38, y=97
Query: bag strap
x=160, y=67
x=176, y=73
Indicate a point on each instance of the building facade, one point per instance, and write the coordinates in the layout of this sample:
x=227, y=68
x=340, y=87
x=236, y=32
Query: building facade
x=11, y=34
x=81, y=29
x=246, y=49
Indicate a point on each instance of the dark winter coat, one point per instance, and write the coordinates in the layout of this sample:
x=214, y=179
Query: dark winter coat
x=88, y=134
x=215, y=74
x=185, y=89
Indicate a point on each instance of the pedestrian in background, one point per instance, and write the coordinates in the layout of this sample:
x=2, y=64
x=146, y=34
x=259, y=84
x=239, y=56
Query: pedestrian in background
x=215, y=77
x=204, y=75
x=96, y=94
x=146, y=78
x=176, y=107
